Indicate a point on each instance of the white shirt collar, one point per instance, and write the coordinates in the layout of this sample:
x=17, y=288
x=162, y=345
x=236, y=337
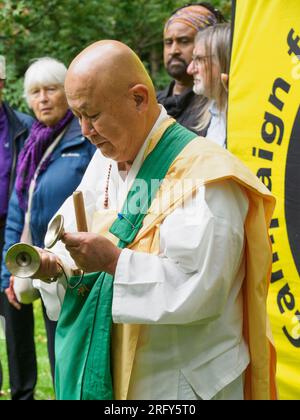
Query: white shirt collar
x=214, y=110
x=140, y=156
x=124, y=185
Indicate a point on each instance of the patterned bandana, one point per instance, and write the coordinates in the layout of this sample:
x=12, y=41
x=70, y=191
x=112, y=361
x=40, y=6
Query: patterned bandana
x=197, y=17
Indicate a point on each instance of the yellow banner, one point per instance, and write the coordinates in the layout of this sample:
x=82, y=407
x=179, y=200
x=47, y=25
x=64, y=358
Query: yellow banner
x=264, y=131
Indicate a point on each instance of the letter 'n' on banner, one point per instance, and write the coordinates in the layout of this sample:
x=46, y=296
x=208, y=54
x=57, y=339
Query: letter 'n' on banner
x=264, y=131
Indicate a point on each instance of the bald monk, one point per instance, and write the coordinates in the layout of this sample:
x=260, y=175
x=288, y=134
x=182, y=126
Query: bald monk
x=171, y=301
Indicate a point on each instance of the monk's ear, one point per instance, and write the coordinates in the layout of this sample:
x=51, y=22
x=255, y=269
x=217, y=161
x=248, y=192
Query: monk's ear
x=140, y=95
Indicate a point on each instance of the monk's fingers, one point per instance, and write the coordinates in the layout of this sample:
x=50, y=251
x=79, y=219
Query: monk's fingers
x=50, y=265
x=72, y=239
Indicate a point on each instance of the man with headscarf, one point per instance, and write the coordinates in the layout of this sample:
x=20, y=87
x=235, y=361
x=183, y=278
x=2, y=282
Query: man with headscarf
x=14, y=128
x=178, y=98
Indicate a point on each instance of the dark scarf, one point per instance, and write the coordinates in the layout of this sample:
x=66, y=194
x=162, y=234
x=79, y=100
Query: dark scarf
x=40, y=138
x=176, y=104
x=188, y=108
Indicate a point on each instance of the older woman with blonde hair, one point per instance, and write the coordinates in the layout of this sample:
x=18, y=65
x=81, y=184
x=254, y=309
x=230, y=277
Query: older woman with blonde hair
x=49, y=169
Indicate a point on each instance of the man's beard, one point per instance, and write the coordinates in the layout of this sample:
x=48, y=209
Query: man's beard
x=199, y=88
x=177, y=70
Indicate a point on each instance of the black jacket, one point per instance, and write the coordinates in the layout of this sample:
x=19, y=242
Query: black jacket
x=19, y=125
x=185, y=108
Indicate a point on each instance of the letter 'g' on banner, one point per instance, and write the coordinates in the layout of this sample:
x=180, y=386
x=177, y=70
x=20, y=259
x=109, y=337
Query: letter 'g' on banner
x=264, y=131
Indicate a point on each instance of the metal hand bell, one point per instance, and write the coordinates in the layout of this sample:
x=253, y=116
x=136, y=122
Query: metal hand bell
x=23, y=260
x=55, y=231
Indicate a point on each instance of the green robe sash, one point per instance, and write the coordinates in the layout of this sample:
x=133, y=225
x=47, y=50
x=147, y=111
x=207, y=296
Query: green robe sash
x=83, y=335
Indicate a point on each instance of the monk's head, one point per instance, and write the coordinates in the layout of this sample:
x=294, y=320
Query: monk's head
x=111, y=93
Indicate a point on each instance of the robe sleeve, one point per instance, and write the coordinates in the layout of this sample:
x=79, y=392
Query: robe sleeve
x=200, y=261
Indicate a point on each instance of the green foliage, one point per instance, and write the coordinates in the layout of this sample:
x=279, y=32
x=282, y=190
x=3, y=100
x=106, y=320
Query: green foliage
x=14, y=93
x=61, y=28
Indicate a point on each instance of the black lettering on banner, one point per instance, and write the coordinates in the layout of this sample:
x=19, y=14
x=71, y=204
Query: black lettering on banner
x=272, y=133
x=285, y=296
x=293, y=43
x=275, y=124
x=294, y=341
x=274, y=224
x=292, y=192
x=265, y=175
x=272, y=130
x=273, y=99
x=263, y=154
x=276, y=276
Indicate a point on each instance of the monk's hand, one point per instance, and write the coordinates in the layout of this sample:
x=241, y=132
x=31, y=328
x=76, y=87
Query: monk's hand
x=50, y=267
x=92, y=252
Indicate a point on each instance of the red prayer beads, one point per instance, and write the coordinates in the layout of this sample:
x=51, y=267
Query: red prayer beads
x=105, y=203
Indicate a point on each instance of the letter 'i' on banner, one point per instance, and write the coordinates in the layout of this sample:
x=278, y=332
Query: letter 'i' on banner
x=264, y=131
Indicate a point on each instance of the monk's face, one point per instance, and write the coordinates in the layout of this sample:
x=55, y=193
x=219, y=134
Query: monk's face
x=110, y=119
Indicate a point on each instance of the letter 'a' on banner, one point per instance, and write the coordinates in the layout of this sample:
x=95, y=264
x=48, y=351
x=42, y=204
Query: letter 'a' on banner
x=264, y=131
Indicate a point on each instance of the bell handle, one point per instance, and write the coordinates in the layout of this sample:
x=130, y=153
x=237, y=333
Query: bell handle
x=80, y=211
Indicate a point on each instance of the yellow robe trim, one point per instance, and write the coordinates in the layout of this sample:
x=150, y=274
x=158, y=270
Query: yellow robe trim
x=204, y=162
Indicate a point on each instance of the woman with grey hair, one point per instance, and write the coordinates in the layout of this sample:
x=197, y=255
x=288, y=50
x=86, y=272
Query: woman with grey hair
x=49, y=169
x=210, y=68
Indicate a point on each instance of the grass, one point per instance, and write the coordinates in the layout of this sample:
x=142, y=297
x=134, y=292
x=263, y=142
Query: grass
x=44, y=389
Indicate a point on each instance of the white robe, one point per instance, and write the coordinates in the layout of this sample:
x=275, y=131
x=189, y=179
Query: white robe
x=188, y=296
